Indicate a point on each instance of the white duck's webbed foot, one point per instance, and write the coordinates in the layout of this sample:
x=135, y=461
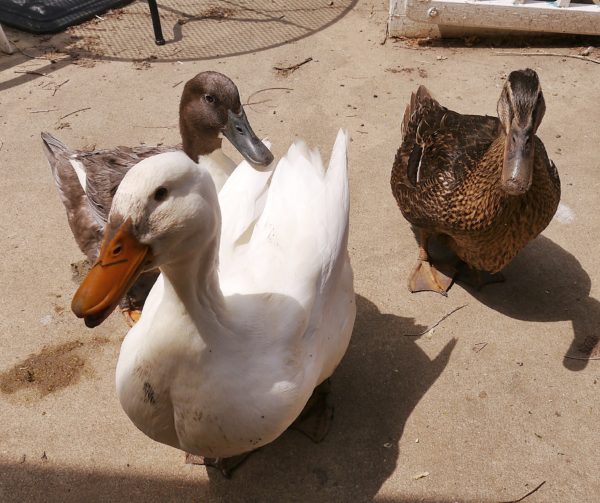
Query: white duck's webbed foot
x=316, y=417
x=225, y=465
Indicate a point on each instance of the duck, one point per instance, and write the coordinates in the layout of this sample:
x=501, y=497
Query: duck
x=254, y=307
x=210, y=109
x=477, y=187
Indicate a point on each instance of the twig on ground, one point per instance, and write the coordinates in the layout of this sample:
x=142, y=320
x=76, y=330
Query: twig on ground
x=527, y=495
x=266, y=89
x=56, y=88
x=554, y=54
x=431, y=327
x=25, y=54
x=175, y=85
x=80, y=110
x=285, y=70
x=43, y=111
x=250, y=104
x=385, y=37
x=156, y=127
x=33, y=72
x=479, y=346
x=1, y=145
x=257, y=103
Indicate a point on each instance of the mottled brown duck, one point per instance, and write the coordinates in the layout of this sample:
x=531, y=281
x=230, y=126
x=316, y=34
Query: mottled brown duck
x=481, y=186
x=209, y=110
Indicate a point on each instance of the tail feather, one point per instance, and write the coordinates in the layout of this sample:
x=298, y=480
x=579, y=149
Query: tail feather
x=85, y=226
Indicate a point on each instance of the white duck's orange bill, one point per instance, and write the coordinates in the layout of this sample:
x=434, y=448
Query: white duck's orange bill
x=121, y=261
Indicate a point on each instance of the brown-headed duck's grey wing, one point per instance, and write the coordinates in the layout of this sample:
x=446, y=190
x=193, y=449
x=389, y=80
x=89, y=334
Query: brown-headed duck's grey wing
x=106, y=168
x=87, y=182
x=87, y=228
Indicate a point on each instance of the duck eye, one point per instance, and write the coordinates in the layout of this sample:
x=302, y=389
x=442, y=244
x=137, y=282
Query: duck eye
x=161, y=194
x=209, y=98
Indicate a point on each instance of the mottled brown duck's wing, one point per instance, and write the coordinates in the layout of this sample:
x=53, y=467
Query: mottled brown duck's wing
x=420, y=118
x=435, y=139
x=86, y=226
x=459, y=143
x=105, y=170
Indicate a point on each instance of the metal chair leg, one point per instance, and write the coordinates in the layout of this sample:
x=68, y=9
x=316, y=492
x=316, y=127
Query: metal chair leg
x=158, y=36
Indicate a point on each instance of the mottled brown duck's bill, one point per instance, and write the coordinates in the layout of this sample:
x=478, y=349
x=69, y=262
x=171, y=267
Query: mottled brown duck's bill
x=517, y=172
x=122, y=259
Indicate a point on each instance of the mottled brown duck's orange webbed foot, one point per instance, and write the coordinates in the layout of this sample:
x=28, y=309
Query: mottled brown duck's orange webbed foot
x=478, y=279
x=429, y=278
x=225, y=465
x=316, y=417
x=132, y=316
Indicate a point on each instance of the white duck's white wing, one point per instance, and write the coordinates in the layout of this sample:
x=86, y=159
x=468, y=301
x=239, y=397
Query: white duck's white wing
x=301, y=235
x=242, y=200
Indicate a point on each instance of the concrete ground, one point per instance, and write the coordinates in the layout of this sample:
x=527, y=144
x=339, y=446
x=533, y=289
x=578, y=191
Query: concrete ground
x=494, y=401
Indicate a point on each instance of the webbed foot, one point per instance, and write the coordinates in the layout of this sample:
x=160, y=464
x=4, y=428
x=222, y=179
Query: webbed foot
x=429, y=278
x=131, y=316
x=225, y=465
x=478, y=279
x=316, y=417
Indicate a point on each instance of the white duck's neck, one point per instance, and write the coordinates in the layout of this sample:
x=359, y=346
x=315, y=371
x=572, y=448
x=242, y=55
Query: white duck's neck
x=194, y=280
x=219, y=165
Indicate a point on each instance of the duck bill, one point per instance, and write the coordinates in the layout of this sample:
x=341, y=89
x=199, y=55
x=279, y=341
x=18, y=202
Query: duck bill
x=241, y=136
x=122, y=259
x=517, y=171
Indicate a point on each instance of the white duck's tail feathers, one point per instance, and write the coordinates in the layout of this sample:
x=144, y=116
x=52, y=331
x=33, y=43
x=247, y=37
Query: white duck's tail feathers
x=242, y=201
x=304, y=224
x=337, y=172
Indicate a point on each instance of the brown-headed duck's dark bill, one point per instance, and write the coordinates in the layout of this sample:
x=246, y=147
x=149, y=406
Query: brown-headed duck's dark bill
x=122, y=259
x=517, y=171
x=241, y=136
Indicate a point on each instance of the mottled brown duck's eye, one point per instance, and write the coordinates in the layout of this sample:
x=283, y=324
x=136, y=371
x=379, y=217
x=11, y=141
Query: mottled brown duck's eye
x=209, y=98
x=161, y=194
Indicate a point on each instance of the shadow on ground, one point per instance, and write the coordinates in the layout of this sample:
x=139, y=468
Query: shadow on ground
x=379, y=383
x=546, y=283
x=195, y=30
x=37, y=483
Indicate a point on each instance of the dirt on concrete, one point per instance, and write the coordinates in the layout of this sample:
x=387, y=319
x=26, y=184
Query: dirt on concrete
x=50, y=370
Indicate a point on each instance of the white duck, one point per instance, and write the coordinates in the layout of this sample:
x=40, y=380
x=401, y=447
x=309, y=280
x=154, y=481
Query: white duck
x=224, y=360
x=210, y=108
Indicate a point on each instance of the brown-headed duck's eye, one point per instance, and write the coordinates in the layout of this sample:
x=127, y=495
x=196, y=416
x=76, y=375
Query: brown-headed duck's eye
x=161, y=194
x=209, y=98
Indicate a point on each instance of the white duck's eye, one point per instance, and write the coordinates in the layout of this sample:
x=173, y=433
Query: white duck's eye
x=161, y=194
x=209, y=98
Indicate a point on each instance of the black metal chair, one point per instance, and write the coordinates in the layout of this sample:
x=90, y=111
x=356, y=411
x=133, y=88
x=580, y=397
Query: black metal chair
x=158, y=35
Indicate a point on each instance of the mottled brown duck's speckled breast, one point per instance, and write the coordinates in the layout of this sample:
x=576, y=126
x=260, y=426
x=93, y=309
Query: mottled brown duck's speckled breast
x=486, y=226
